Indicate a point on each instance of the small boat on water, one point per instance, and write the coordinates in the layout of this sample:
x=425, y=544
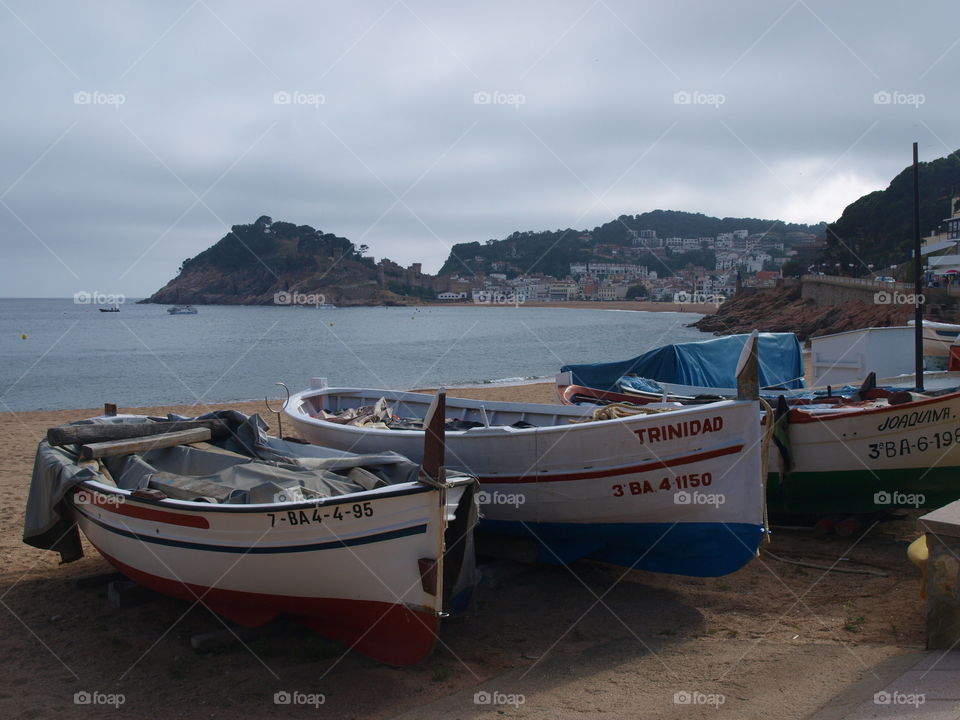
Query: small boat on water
x=115, y=308
x=182, y=310
x=368, y=550
x=678, y=491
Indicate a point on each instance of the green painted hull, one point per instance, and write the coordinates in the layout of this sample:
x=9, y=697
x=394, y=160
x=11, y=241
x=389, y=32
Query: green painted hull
x=854, y=492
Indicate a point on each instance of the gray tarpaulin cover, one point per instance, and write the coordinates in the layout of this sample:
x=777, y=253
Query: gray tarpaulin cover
x=270, y=468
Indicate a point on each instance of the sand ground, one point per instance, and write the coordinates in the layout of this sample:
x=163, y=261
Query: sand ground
x=773, y=640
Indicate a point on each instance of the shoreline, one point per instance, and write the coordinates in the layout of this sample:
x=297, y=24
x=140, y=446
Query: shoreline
x=632, y=305
x=537, y=390
x=629, y=305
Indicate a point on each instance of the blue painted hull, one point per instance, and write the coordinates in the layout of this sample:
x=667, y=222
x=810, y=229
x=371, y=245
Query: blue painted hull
x=695, y=549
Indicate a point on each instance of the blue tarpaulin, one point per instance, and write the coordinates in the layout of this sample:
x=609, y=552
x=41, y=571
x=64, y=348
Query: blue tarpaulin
x=707, y=364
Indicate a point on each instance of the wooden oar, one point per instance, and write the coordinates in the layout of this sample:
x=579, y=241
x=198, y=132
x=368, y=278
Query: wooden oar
x=143, y=444
x=106, y=432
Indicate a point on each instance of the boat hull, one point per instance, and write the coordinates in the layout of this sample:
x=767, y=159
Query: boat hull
x=868, y=460
x=679, y=493
x=350, y=569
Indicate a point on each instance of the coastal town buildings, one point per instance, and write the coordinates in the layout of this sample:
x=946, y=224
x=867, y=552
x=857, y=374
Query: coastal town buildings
x=649, y=267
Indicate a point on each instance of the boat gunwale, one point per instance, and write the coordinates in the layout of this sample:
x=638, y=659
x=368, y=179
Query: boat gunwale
x=799, y=415
x=398, y=490
x=294, y=410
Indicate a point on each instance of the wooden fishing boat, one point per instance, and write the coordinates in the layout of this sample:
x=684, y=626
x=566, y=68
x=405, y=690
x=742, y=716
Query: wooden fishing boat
x=704, y=371
x=839, y=455
x=368, y=549
x=675, y=492
x=902, y=450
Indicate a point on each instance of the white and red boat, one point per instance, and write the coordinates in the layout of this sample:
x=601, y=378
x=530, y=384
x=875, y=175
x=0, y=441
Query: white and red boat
x=366, y=550
x=841, y=456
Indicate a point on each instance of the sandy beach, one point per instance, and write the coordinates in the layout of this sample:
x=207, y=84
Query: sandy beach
x=772, y=640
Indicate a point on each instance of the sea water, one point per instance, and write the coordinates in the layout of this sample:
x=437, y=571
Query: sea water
x=56, y=354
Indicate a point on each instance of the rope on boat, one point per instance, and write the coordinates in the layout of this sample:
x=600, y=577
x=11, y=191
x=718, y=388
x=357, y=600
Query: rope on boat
x=764, y=449
x=621, y=410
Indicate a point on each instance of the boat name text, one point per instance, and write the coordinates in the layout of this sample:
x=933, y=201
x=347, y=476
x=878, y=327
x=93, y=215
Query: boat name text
x=917, y=417
x=679, y=430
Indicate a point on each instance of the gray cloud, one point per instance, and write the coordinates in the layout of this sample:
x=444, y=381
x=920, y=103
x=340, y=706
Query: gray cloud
x=777, y=116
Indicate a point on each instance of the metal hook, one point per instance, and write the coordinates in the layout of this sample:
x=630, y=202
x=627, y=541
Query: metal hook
x=266, y=401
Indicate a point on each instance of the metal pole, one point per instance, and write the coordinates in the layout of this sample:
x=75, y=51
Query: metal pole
x=917, y=274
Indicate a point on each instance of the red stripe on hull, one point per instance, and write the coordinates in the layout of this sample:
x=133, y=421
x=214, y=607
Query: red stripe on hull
x=104, y=502
x=613, y=472
x=799, y=416
x=388, y=632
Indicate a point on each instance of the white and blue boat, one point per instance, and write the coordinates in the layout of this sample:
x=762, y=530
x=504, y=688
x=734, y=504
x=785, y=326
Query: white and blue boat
x=684, y=371
x=677, y=491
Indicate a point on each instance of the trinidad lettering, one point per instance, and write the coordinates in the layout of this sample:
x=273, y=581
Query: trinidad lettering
x=679, y=430
x=917, y=417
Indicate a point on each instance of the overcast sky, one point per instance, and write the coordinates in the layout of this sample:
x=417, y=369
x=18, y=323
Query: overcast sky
x=135, y=134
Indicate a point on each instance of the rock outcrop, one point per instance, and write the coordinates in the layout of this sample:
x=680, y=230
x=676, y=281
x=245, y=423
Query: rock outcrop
x=783, y=310
x=269, y=263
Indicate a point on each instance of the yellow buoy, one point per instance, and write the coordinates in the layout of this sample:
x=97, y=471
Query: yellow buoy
x=919, y=554
x=23, y=337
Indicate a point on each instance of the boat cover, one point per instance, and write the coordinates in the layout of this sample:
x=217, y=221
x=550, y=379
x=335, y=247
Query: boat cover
x=706, y=364
x=269, y=466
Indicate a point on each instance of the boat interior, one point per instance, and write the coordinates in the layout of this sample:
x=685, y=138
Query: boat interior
x=205, y=472
x=405, y=411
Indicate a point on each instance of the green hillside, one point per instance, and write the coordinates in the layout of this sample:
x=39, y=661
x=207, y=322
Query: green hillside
x=877, y=229
x=551, y=251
